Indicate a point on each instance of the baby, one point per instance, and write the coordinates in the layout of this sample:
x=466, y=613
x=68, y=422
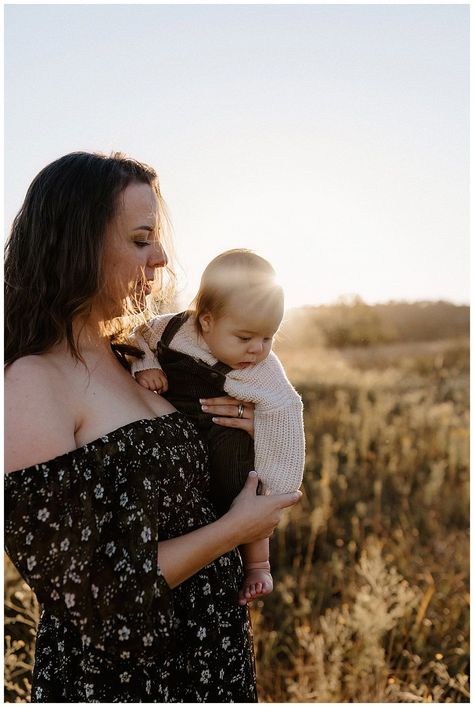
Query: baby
x=222, y=345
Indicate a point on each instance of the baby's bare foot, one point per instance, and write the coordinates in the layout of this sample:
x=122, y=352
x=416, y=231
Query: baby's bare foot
x=257, y=582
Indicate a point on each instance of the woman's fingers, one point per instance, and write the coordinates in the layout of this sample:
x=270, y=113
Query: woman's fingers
x=251, y=483
x=223, y=400
x=283, y=500
x=243, y=424
x=227, y=406
x=230, y=412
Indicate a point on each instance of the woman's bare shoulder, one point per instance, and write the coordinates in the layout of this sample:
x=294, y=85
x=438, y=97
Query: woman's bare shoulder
x=39, y=424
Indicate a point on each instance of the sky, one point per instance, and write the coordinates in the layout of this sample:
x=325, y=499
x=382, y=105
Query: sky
x=331, y=139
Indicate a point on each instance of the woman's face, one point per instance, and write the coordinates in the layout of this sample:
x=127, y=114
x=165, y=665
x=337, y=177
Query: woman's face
x=132, y=249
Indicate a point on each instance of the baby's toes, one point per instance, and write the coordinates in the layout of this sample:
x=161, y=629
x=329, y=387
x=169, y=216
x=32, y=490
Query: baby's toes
x=242, y=597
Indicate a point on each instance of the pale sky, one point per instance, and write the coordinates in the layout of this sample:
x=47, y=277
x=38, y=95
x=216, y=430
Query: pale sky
x=331, y=139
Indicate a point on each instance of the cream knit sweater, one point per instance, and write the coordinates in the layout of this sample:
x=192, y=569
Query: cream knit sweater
x=279, y=434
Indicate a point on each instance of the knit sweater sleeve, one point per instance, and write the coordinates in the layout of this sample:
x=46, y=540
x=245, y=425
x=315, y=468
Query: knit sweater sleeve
x=146, y=338
x=279, y=431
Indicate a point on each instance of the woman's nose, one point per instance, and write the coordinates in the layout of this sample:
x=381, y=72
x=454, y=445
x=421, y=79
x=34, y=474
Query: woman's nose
x=158, y=257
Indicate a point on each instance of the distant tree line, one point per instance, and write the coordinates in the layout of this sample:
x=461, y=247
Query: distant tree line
x=355, y=323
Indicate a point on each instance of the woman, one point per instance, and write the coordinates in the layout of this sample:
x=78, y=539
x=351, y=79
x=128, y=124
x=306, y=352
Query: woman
x=107, y=511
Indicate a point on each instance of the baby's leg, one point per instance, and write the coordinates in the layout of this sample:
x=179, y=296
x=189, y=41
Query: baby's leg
x=258, y=580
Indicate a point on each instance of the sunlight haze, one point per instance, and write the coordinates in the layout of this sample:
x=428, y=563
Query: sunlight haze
x=331, y=139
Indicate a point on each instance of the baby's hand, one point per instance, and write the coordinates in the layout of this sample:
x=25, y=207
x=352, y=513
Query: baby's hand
x=153, y=379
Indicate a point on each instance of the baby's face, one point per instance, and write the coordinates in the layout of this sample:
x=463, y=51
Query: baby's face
x=238, y=339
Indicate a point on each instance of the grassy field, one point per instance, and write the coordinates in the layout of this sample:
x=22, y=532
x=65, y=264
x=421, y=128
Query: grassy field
x=371, y=593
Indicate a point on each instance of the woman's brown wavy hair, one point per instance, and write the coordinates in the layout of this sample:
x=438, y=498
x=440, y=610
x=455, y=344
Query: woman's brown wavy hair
x=53, y=266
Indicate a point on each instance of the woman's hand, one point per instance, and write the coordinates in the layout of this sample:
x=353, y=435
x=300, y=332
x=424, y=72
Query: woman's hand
x=256, y=517
x=230, y=412
x=250, y=518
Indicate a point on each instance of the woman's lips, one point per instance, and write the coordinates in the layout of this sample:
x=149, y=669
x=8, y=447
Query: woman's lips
x=143, y=288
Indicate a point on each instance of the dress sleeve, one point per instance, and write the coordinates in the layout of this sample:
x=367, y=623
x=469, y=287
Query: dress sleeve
x=84, y=537
x=279, y=431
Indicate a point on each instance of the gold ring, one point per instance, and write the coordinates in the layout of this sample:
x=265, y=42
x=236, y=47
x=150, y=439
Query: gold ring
x=240, y=411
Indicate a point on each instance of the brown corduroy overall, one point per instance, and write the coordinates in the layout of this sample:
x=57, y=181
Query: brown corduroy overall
x=231, y=451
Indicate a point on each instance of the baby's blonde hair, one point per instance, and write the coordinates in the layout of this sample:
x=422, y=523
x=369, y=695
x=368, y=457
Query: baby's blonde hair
x=238, y=271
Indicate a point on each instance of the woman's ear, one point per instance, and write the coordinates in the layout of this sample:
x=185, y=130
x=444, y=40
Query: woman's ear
x=206, y=320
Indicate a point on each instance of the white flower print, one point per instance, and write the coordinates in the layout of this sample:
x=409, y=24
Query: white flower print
x=31, y=562
x=124, y=633
x=120, y=502
x=70, y=600
x=146, y=534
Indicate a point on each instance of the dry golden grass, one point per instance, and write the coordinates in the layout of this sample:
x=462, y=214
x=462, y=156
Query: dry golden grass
x=371, y=569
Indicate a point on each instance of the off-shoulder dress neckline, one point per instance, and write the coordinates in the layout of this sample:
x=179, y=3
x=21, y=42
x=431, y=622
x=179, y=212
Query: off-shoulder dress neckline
x=103, y=438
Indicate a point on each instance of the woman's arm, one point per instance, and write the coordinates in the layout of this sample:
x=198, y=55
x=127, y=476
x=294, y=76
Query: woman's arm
x=250, y=518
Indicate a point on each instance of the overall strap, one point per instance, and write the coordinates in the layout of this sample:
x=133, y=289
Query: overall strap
x=174, y=324
x=221, y=367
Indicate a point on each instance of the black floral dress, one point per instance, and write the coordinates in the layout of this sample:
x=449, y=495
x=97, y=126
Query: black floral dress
x=83, y=530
